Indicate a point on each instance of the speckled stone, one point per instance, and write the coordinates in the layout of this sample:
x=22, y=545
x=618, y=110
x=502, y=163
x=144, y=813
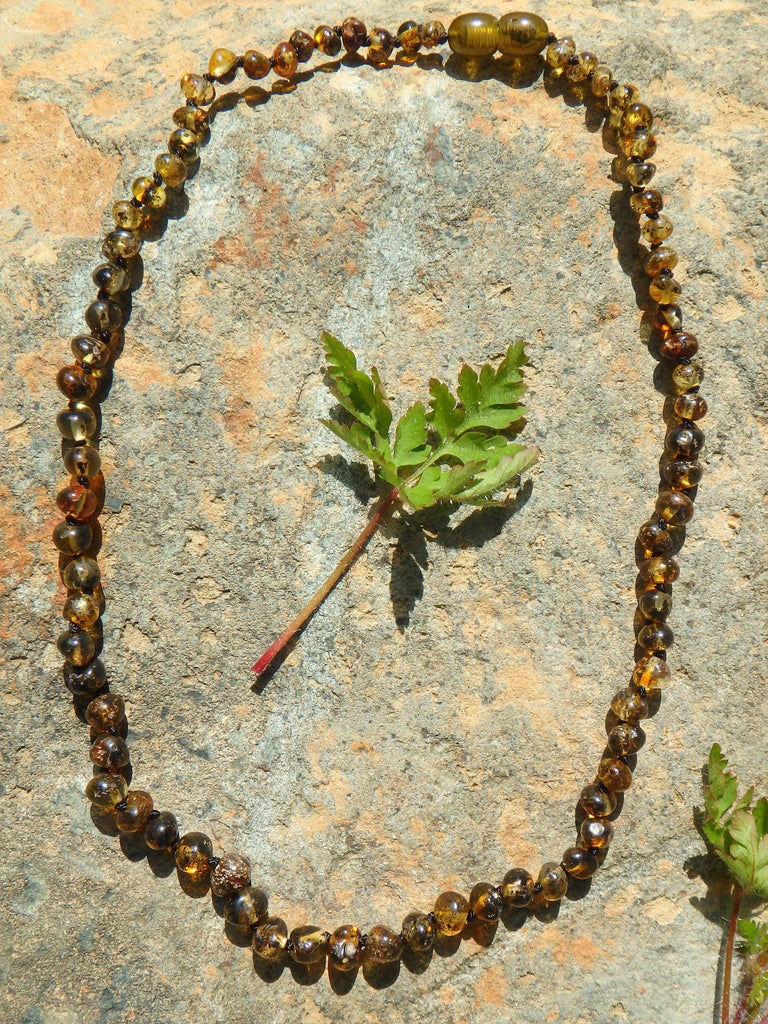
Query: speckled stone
x=437, y=720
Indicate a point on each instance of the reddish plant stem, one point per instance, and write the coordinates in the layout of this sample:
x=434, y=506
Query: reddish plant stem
x=729, y=957
x=741, y=1009
x=320, y=595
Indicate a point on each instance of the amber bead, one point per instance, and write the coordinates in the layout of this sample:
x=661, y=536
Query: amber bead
x=81, y=573
x=161, y=831
x=656, y=605
x=194, y=119
x=651, y=673
x=653, y=539
x=553, y=881
x=127, y=216
x=656, y=636
x=451, y=909
x=77, y=501
x=380, y=46
x=222, y=64
x=418, y=931
x=90, y=351
x=680, y=345
x=664, y=288
x=327, y=40
x=685, y=441
x=663, y=258
x=303, y=44
x=232, y=872
x=656, y=229
x=76, y=646
x=171, y=169
x=687, y=375
x=82, y=610
x=284, y=60
x=82, y=460
x=560, y=52
x=580, y=862
x=146, y=191
x=674, y=507
x=621, y=96
x=383, y=945
x=517, y=888
x=309, y=944
x=408, y=37
x=72, y=538
x=669, y=318
x=247, y=906
x=135, y=815
x=105, y=314
x=345, y=950
x=640, y=144
x=659, y=569
x=110, y=278
x=193, y=854
x=353, y=33
x=684, y=473
x=629, y=705
x=270, y=938
x=636, y=115
x=120, y=244
x=626, y=738
x=184, y=144
x=640, y=172
x=614, y=774
x=106, y=790
x=596, y=801
x=109, y=751
x=473, y=35
x=485, y=901
x=580, y=66
x=75, y=384
x=597, y=832
x=432, y=33
x=85, y=681
x=522, y=35
x=690, y=406
x=650, y=200
x=600, y=83
x=106, y=712
x=198, y=89
x=256, y=64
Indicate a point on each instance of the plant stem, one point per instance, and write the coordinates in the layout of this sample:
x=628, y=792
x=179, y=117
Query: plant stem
x=729, y=957
x=741, y=1009
x=320, y=595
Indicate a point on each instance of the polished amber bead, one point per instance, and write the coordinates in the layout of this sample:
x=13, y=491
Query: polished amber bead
x=655, y=230
x=473, y=35
x=110, y=278
x=656, y=636
x=653, y=539
x=327, y=40
x=600, y=83
x=674, y=507
x=685, y=441
x=380, y=46
x=308, y=944
x=640, y=144
x=303, y=44
x=106, y=790
x=222, y=64
x=198, y=89
x=184, y=144
x=106, y=712
x=231, y=872
x=689, y=406
x=682, y=473
x=665, y=288
x=597, y=832
x=109, y=751
x=656, y=605
x=596, y=801
x=649, y=201
x=256, y=64
x=194, y=119
x=687, y=375
x=553, y=881
x=85, y=681
x=285, y=61
x=120, y=244
x=81, y=573
x=76, y=646
x=659, y=569
x=90, y=351
x=680, y=345
x=82, y=610
x=669, y=318
x=105, y=314
x=147, y=192
x=522, y=35
x=621, y=96
x=345, y=950
x=626, y=738
x=451, y=910
x=134, y=816
x=247, y=906
x=559, y=53
x=77, y=501
x=270, y=938
x=517, y=888
x=640, y=172
x=383, y=945
x=193, y=854
x=580, y=66
x=353, y=33
x=418, y=931
x=75, y=384
x=629, y=705
x=171, y=169
x=651, y=673
x=580, y=862
x=82, y=460
x=432, y=33
x=636, y=116
x=408, y=37
x=127, y=216
x=614, y=774
x=72, y=538
x=485, y=901
x=161, y=831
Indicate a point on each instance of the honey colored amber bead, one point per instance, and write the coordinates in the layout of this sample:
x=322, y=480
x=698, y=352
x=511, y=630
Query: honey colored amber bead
x=653, y=539
x=194, y=119
x=485, y=902
x=580, y=862
x=327, y=40
x=308, y=944
x=198, y=89
x=451, y=910
x=641, y=144
x=418, y=931
x=109, y=752
x=82, y=460
x=127, y=216
x=146, y=191
x=303, y=44
x=656, y=605
x=659, y=569
x=76, y=647
x=270, y=937
x=668, y=319
x=651, y=673
x=597, y=832
x=184, y=144
x=687, y=375
x=231, y=872
x=222, y=64
x=193, y=854
x=614, y=774
x=105, y=314
x=553, y=881
x=82, y=682
x=121, y=244
x=432, y=33
x=74, y=383
x=685, y=441
x=600, y=83
x=81, y=573
x=353, y=33
x=684, y=473
x=629, y=705
x=690, y=406
x=580, y=66
x=622, y=95
x=247, y=906
x=110, y=278
x=626, y=738
x=473, y=35
x=656, y=636
x=345, y=950
x=636, y=115
x=522, y=35
x=656, y=229
x=674, y=507
x=596, y=801
x=72, y=538
x=82, y=610
x=650, y=200
x=106, y=790
x=381, y=45
x=77, y=501
x=559, y=53
x=91, y=352
x=640, y=172
x=161, y=831
x=679, y=345
x=171, y=169
x=106, y=712
x=665, y=288
x=256, y=64
x=285, y=61
x=383, y=945
x=135, y=815
x=408, y=37
x=517, y=888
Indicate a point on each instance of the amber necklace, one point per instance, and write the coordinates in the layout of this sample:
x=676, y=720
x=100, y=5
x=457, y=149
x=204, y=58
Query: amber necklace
x=473, y=38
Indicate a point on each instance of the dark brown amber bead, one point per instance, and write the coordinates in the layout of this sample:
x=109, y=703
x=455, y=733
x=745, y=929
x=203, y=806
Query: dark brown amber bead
x=76, y=647
x=580, y=862
x=655, y=604
x=473, y=35
x=345, y=950
x=652, y=539
x=85, y=681
x=596, y=801
x=680, y=345
x=684, y=441
x=626, y=738
x=256, y=64
x=127, y=216
x=380, y=46
x=82, y=460
x=109, y=751
x=193, y=854
x=72, y=538
x=614, y=774
x=82, y=610
x=77, y=501
x=418, y=931
x=640, y=172
x=82, y=573
x=517, y=888
x=198, y=89
x=161, y=831
x=408, y=36
x=246, y=906
x=690, y=406
x=684, y=473
x=284, y=60
x=184, y=144
x=674, y=507
x=659, y=569
x=303, y=44
x=629, y=705
x=104, y=314
x=134, y=816
x=451, y=909
x=353, y=33
x=106, y=790
x=383, y=945
x=656, y=636
x=650, y=200
x=105, y=712
x=651, y=673
x=596, y=832
x=232, y=872
x=522, y=35
x=222, y=64
x=120, y=244
x=195, y=120
x=553, y=881
x=431, y=33
x=327, y=41
x=309, y=944
x=90, y=351
x=270, y=938
x=485, y=902
x=75, y=383
x=171, y=169
x=669, y=318
x=662, y=258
